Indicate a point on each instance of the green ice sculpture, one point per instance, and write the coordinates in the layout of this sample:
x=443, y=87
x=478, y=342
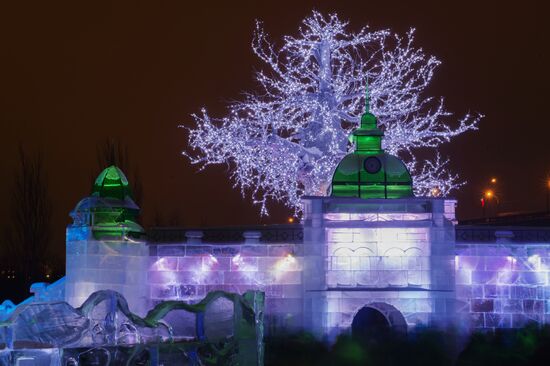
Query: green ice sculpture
x=110, y=210
x=369, y=172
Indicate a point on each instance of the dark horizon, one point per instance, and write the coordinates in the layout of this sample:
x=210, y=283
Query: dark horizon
x=74, y=75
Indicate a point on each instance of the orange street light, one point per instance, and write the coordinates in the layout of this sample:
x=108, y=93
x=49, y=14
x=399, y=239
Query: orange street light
x=291, y=220
x=493, y=180
x=488, y=195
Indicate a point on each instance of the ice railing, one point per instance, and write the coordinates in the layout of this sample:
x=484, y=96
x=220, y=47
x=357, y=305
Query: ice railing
x=378, y=217
x=223, y=328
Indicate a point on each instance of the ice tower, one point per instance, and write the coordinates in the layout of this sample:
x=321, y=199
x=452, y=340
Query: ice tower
x=104, y=246
x=375, y=255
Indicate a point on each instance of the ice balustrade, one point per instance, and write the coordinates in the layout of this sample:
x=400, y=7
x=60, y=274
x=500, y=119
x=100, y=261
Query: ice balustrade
x=379, y=271
x=378, y=217
x=386, y=257
x=222, y=328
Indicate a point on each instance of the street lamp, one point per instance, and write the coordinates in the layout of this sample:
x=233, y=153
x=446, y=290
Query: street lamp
x=491, y=195
x=488, y=195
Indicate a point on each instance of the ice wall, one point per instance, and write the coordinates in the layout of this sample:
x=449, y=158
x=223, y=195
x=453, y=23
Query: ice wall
x=188, y=271
x=397, y=256
x=94, y=265
x=503, y=284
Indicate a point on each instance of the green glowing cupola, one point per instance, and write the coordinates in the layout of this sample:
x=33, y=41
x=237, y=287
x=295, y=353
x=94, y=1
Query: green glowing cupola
x=110, y=210
x=111, y=183
x=369, y=172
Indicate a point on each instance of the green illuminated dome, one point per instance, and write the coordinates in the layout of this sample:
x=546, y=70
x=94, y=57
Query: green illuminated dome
x=369, y=172
x=111, y=183
x=110, y=210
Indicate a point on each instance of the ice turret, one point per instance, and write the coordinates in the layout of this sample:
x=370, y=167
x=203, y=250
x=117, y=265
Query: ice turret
x=110, y=210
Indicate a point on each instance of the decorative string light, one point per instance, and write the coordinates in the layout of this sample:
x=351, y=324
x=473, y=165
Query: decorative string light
x=284, y=141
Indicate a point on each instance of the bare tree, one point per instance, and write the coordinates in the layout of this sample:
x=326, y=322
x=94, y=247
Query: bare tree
x=29, y=233
x=113, y=152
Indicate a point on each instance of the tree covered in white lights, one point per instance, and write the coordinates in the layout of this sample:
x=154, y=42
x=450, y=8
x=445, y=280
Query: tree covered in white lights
x=284, y=140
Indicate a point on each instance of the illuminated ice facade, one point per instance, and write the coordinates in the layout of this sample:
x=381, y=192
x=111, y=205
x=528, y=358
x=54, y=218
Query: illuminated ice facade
x=370, y=250
x=408, y=262
x=393, y=255
x=396, y=256
x=402, y=257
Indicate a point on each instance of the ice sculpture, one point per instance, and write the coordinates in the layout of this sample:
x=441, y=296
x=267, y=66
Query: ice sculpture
x=223, y=328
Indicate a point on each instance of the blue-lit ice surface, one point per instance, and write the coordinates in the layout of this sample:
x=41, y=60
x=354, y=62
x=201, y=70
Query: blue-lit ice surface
x=78, y=234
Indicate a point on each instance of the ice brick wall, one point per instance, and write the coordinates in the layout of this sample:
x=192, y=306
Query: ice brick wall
x=188, y=271
x=118, y=265
x=504, y=285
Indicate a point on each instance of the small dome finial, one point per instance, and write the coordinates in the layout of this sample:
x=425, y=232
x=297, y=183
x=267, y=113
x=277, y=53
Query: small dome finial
x=367, y=98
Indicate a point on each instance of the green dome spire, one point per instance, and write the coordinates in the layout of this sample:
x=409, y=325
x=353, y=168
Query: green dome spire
x=112, y=183
x=369, y=172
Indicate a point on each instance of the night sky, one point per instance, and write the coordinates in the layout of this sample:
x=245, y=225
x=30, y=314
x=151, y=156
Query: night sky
x=76, y=73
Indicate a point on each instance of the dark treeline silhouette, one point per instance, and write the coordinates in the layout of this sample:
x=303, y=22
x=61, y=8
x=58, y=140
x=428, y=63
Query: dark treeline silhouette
x=27, y=233
x=422, y=347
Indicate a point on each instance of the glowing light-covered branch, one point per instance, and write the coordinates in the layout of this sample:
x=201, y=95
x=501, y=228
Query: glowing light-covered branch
x=284, y=141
